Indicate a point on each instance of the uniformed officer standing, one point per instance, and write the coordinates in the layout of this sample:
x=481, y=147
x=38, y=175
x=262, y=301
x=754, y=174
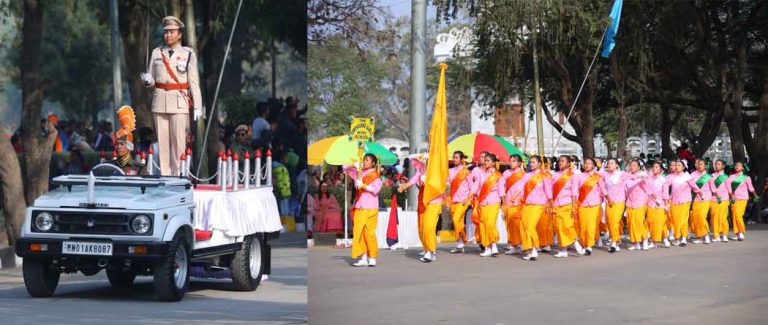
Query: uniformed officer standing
x=173, y=73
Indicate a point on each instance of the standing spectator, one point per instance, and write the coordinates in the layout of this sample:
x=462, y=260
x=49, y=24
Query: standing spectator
x=103, y=139
x=259, y=138
x=282, y=185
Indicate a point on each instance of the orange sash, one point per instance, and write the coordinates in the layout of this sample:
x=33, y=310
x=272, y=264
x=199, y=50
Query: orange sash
x=488, y=186
x=367, y=180
x=514, y=178
x=560, y=183
x=587, y=187
x=456, y=182
x=532, y=183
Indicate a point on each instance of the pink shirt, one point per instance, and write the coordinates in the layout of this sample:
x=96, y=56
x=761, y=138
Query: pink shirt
x=541, y=194
x=465, y=187
x=569, y=191
x=615, y=184
x=635, y=185
x=705, y=193
x=369, y=199
x=741, y=192
x=721, y=191
x=494, y=196
x=680, y=185
x=416, y=179
x=655, y=186
x=504, y=178
x=595, y=196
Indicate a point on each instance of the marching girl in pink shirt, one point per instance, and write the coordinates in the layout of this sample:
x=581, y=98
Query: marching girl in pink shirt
x=615, y=183
x=512, y=212
x=534, y=192
x=428, y=214
x=658, y=210
x=564, y=207
x=701, y=201
x=460, y=185
x=637, y=201
x=365, y=213
x=489, y=190
x=739, y=187
x=680, y=186
x=591, y=189
x=720, y=202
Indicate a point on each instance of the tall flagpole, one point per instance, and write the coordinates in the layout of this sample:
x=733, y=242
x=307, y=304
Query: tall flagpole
x=418, y=82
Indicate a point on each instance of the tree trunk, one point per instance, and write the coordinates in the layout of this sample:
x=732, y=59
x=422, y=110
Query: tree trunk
x=587, y=134
x=666, y=131
x=621, y=145
x=37, y=150
x=758, y=147
x=133, y=32
x=11, y=190
x=733, y=109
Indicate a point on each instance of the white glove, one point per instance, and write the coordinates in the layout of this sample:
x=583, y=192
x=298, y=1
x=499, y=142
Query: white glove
x=146, y=78
x=197, y=113
x=359, y=183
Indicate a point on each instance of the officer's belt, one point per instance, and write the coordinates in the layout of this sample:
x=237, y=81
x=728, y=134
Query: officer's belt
x=172, y=86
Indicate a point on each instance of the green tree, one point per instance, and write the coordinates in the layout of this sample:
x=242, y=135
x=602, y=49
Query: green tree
x=341, y=84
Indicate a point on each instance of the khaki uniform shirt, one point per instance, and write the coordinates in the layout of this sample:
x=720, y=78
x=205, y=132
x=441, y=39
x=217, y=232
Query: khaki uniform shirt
x=183, y=62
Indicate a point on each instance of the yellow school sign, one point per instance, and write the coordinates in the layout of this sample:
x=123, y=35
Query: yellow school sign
x=362, y=128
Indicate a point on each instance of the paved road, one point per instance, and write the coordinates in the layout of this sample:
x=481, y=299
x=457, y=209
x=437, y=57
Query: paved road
x=282, y=299
x=698, y=284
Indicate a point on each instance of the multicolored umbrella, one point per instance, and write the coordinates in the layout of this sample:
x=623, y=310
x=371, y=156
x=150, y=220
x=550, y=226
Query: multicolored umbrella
x=340, y=150
x=474, y=143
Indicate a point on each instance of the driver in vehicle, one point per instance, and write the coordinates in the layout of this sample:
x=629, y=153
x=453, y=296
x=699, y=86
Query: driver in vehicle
x=123, y=140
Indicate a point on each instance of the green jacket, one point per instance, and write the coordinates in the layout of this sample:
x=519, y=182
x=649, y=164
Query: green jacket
x=281, y=181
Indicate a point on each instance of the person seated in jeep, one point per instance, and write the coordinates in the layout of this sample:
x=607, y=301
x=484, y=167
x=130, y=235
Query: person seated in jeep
x=123, y=140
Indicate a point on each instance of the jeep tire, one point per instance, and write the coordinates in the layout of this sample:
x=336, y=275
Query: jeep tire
x=247, y=265
x=120, y=278
x=40, y=277
x=171, y=274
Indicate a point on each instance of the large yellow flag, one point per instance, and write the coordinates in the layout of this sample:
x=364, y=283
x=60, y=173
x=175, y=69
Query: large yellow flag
x=437, y=165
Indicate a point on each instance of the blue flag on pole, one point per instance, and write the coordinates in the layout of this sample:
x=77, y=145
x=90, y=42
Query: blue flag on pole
x=613, y=29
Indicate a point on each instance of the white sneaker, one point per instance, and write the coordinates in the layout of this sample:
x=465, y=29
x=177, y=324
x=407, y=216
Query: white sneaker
x=725, y=238
x=614, y=248
x=486, y=253
x=676, y=243
x=666, y=242
x=362, y=262
x=494, y=250
x=460, y=244
x=646, y=246
x=457, y=250
x=588, y=251
x=599, y=242
x=696, y=241
x=683, y=242
x=562, y=253
x=707, y=240
x=651, y=245
x=510, y=250
x=372, y=262
x=422, y=253
x=716, y=240
x=426, y=258
x=671, y=235
x=546, y=249
x=532, y=255
x=634, y=247
x=741, y=236
x=580, y=251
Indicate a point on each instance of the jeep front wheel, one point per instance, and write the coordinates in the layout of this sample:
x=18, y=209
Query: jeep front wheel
x=171, y=276
x=40, y=277
x=247, y=265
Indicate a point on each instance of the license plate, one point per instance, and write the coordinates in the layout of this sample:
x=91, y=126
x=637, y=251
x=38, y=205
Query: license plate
x=86, y=248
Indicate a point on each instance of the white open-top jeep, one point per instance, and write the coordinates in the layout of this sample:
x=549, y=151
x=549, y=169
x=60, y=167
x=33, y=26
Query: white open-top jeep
x=147, y=226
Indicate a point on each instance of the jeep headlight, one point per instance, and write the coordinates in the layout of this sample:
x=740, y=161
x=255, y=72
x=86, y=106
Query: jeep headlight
x=141, y=224
x=44, y=221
